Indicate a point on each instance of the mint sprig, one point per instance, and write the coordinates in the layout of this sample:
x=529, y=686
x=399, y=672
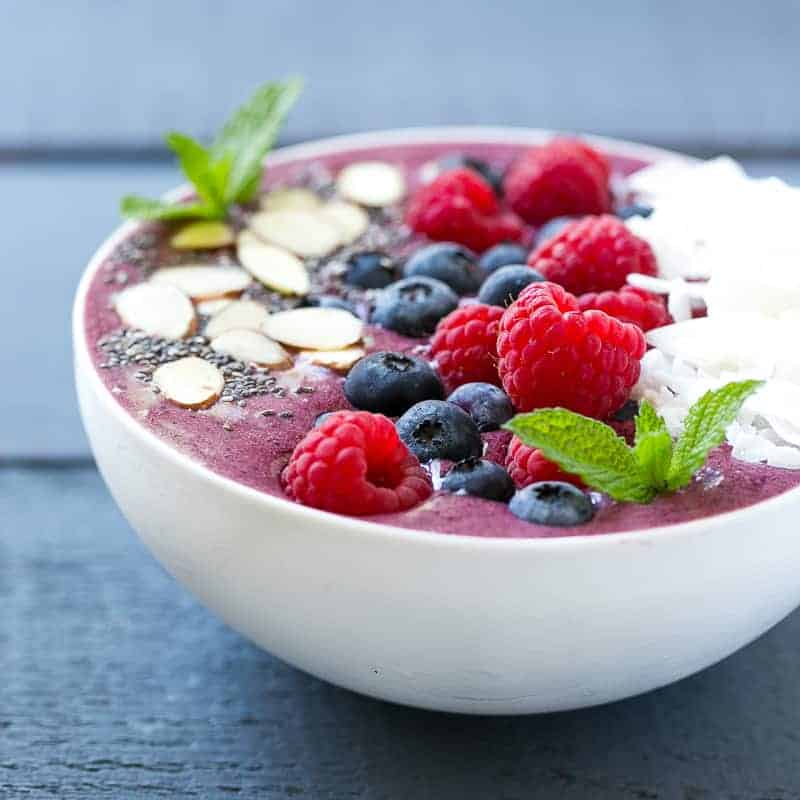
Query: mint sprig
x=229, y=171
x=654, y=465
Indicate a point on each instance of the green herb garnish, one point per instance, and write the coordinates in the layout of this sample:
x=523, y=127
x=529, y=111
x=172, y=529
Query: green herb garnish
x=654, y=465
x=229, y=171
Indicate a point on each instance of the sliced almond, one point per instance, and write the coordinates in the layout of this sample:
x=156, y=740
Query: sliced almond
x=290, y=198
x=351, y=220
x=189, y=382
x=305, y=233
x=338, y=360
x=157, y=309
x=203, y=235
x=273, y=266
x=314, y=328
x=251, y=348
x=204, y=281
x=211, y=307
x=237, y=315
x=372, y=183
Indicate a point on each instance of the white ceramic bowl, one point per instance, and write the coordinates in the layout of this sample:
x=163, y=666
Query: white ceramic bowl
x=487, y=626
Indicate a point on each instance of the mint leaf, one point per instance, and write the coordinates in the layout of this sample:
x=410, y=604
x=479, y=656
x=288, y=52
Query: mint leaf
x=197, y=166
x=648, y=421
x=653, y=445
x=587, y=448
x=137, y=207
x=704, y=429
x=250, y=133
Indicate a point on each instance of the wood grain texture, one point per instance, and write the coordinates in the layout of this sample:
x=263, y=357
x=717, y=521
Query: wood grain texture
x=115, y=683
x=716, y=72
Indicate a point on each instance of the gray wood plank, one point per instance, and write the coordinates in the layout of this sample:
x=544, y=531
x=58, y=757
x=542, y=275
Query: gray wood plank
x=115, y=683
x=715, y=72
x=45, y=246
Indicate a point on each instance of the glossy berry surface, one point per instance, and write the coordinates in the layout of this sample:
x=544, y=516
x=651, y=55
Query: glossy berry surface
x=552, y=503
x=527, y=465
x=594, y=254
x=501, y=255
x=370, y=269
x=390, y=383
x=330, y=301
x=489, y=406
x=564, y=178
x=414, y=306
x=552, y=354
x=436, y=429
x=354, y=463
x=479, y=478
x=502, y=288
x=465, y=345
x=453, y=264
x=629, y=304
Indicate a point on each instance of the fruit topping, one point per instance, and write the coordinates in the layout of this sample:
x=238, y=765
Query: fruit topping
x=502, y=288
x=305, y=233
x=237, y=315
x=413, y=306
x=273, y=266
x=629, y=304
x=563, y=178
x=157, y=309
x=553, y=354
x=204, y=281
x=635, y=210
x=437, y=429
x=202, y=235
x=189, y=382
x=552, y=503
x=461, y=160
x=372, y=183
x=594, y=254
x=314, y=328
x=553, y=227
x=371, y=269
x=337, y=360
x=390, y=383
x=527, y=465
x=251, y=347
x=354, y=463
x=290, y=198
x=350, y=220
x=488, y=405
x=450, y=263
x=501, y=255
x=465, y=345
x=480, y=478
x=460, y=206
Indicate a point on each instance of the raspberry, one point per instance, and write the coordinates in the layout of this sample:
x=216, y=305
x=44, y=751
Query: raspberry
x=553, y=354
x=354, y=463
x=527, y=465
x=594, y=254
x=629, y=304
x=460, y=206
x=564, y=178
x=465, y=345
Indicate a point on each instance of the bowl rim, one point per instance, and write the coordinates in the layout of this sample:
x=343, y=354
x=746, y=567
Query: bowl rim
x=651, y=536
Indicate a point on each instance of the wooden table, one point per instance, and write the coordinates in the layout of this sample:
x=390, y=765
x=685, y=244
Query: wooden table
x=115, y=683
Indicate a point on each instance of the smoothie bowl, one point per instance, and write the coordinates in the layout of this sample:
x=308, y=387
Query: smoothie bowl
x=235, y=374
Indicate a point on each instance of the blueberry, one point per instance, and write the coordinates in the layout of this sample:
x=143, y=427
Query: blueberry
x=435, y=429
x=460, y=160
x=447, y=262
x=489, y=406
x=501, y=255
x=502, y=288
x=479, y=478
x=390, y=383
x=370, y=270
x=552, y=227
x=330, y=301
x=635, y=210
x=413, y=306
x=552, y=503
x=627, y=412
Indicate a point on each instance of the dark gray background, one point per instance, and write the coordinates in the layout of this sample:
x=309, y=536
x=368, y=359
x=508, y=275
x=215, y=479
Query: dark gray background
x=113, y=682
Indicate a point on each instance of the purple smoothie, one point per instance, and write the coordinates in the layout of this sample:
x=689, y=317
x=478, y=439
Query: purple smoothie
x=250, y=442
